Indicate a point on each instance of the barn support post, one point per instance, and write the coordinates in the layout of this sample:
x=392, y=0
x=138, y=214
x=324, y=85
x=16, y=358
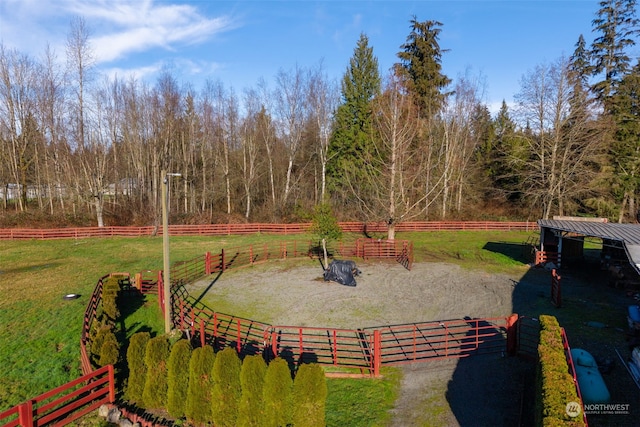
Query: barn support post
x=559, y=249
x=512, y=335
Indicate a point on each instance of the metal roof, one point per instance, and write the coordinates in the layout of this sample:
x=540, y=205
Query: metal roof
x=627, y=234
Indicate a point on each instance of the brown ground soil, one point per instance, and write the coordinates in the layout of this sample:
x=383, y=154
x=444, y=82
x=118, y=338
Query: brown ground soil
x=489, y=390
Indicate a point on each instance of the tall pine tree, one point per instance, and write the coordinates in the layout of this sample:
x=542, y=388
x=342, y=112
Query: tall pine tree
x=352, y=134
x=616, y=27
x=421, y=65
x=625, y=149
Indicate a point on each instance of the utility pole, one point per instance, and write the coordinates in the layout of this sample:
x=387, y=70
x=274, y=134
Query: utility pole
x=166, y=279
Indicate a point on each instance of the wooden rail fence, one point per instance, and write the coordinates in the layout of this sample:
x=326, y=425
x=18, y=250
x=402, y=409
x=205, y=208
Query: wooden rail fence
x=253, y=228
x=66, y=403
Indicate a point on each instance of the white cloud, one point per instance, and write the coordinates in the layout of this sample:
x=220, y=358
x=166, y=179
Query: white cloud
x=140, y=73
x=118, y=27
x=144, y=25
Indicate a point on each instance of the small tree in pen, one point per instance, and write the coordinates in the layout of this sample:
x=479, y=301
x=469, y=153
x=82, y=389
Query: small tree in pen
x=226, y=392
x=325, y=227
x=309, y=396
x=277, y=394
x=198, y=405
x=178, y=378
x=252, y=376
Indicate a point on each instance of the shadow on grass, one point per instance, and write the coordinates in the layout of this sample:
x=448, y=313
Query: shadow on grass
x=520, y=252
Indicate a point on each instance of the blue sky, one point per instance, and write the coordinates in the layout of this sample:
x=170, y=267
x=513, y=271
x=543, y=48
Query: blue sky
x=239, y=42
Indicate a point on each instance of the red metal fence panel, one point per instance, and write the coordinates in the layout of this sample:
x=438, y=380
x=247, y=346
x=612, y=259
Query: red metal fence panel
x=440, y=340
x=345, y=348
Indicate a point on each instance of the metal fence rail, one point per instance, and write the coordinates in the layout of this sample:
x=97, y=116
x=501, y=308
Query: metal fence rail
x=456, y=338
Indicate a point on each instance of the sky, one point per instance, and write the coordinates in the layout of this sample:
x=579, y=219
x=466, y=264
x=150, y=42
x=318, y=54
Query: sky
x=240, y=42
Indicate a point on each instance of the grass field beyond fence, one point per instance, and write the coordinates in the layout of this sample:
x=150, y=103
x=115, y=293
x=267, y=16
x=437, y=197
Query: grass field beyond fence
x=39, y=342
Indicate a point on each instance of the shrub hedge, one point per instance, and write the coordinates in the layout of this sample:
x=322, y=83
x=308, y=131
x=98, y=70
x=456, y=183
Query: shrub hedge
x=227, y=390
x=110, y=289
x=178, y=378
x=198, y=405
x=109, y=349
x=309, y=396
x=555, y=385
x=252, y=375
x=277, y=394
x=154, y=394
x=137, y=367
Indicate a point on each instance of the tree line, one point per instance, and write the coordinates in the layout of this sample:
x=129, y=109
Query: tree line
x=407, y=144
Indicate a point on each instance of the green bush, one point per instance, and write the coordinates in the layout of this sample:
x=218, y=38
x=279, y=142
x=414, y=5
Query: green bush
x=252, y=376
x=97, y=341
x=137, y=367
x=198, y=405
x=277, y=394
x=110, y=350
x=156, y=356
x=178, y=378
x=226, y=392
x=309, y=396
x=554, y=385
x=110, y=289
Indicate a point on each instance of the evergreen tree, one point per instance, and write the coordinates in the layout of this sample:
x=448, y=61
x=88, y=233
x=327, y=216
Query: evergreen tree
x=617, y=26
x=277, y=394
x=178, y=378
x=421, y=65
x=110, y=350
x=252, y=377
x=352, y=133
x=310, y=396
x=137, y=366
x=625, y=149
x=226, y=392
x=154, y=394
x=580, y=65
x=198, y=405
x=509, y=153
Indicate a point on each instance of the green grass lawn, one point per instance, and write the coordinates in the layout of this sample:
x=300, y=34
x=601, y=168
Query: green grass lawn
x=40, y=334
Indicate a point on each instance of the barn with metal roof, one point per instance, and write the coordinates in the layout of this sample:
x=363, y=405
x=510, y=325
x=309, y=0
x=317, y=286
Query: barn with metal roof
x=557, y=234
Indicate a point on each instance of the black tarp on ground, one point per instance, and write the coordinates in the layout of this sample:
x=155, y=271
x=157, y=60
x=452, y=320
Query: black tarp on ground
x=343, y=272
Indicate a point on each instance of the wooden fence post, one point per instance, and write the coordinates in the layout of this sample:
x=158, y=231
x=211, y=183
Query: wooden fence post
x=222, y=260
x=377, y=353
x=112, y=385
x=25, y=414
x=202, y=336
x=207, y=263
